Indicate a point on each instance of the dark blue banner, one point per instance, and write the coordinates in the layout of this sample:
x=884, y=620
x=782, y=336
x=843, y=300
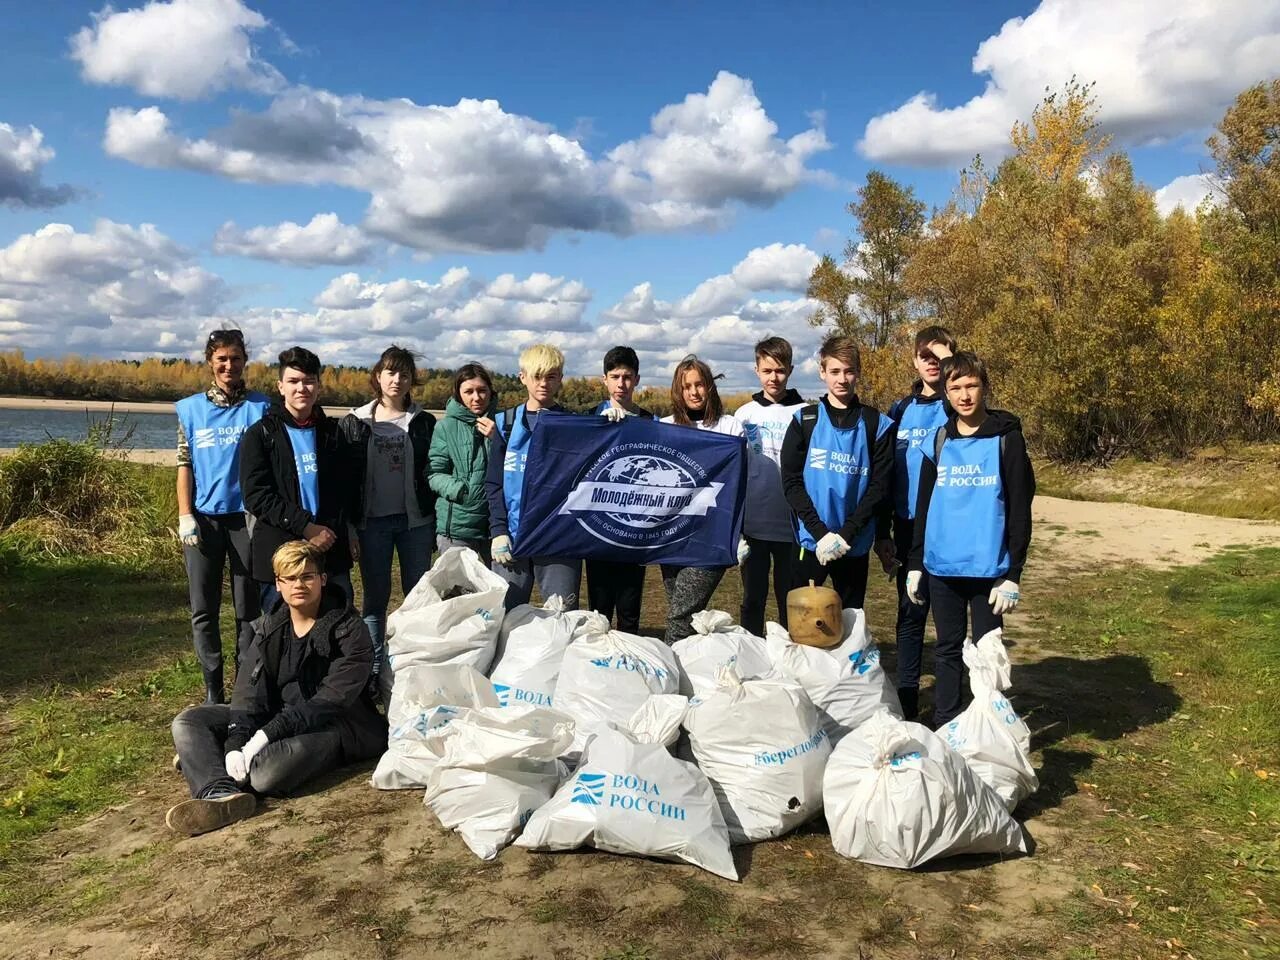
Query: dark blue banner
x=638, y=491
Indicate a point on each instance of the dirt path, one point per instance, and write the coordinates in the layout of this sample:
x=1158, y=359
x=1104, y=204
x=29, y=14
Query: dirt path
x=1084, y=533
x=347, y=871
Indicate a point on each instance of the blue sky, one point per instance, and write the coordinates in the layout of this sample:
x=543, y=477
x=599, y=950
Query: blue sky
x=705, y=151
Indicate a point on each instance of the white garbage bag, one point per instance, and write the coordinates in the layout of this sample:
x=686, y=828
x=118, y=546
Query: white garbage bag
x=631, y=796
x=452, y=616
x=495, y=767
x=530, y=649
x=761, y=744
x=896, y=795
x=846, y=683
x=426, y=696
x=989, y=734
x=717, y=642
x=606, y=676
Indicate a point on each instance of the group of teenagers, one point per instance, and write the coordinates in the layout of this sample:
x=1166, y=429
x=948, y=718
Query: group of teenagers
x=287, y=499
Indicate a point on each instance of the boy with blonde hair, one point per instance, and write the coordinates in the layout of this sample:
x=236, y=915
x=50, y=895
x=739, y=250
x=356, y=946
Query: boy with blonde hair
x=542, y=373
x=301, y=705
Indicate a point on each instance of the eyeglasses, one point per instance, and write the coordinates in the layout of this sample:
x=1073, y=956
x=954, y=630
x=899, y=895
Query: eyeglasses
x=305, y=579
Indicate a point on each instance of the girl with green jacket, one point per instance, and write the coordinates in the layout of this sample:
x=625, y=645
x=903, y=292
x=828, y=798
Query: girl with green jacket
x=459, y=457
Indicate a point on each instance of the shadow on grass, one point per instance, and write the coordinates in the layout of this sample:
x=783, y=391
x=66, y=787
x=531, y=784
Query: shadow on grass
x=81, y=626
x=1103, y=699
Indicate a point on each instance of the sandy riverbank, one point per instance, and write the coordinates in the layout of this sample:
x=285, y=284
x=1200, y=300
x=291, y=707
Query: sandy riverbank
x=93, y=406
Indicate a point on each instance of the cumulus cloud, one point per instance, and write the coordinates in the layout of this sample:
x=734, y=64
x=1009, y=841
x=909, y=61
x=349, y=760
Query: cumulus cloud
x=474, y=177
x=1188, y=192
x=117, y=290
x=325, y=240
x=1161, y=70
x=185, y=49
x=22, y=159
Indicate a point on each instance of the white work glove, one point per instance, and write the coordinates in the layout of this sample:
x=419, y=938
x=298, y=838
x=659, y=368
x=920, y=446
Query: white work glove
x=744, y=550
x=501, y=550
x=253, y=748
x=188, y=530
x=1004, y=597
x=914, y=578
x=237, y=769
x=831, y=547
x=614, y=414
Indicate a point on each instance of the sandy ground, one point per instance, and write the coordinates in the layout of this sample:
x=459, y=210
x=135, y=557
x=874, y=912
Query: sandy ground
x=94, y=406
x=1082, y=533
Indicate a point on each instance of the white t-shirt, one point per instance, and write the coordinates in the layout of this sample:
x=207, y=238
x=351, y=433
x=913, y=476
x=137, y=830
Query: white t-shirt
x=726, y=424
x=768, y=516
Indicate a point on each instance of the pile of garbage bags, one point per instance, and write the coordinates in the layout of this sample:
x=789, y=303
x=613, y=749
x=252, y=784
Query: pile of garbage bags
x=545, y=728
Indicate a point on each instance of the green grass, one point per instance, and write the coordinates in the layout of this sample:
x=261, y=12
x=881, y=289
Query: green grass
x=1237, y=481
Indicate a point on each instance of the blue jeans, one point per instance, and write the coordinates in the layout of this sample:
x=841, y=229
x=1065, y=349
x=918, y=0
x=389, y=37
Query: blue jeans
x=380, y=538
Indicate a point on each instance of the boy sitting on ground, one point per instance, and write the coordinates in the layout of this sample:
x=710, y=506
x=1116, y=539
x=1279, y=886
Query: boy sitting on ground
x=299, y=709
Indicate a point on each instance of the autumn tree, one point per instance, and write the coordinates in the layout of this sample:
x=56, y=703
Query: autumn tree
x=866, y=297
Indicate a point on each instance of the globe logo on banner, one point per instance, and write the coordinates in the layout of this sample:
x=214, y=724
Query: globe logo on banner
x=637, y=495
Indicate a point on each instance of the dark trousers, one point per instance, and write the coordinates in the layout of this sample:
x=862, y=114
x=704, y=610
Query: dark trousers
x=755, y=582
x=200, y=736
x=848, y=576
x=689, y=590
x=223, y=542
x=616, y=587
x=912, y=617
x=954, y=600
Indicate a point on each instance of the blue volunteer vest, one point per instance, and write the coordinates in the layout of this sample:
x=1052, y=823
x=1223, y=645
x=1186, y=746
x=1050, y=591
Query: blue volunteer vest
x=965, y=533
x=513, y=466
x=837, y=471
x=303, y=441
x=213, y=436
x=918, y=425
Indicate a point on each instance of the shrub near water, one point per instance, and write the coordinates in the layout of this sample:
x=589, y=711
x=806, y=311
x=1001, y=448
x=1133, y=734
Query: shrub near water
x=66, y=499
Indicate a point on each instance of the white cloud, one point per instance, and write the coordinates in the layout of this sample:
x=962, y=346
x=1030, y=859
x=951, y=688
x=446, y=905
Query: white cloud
x=1161, y=70
x=326, y=239
x=22, y=159
x=1188, y=192
x=185, y=49
x=474, y=177
x=118, y=290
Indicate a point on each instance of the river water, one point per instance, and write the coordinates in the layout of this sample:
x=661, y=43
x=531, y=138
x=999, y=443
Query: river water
x=150, y=431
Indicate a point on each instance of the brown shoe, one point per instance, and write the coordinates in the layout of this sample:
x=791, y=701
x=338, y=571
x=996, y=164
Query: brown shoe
x=194, y=817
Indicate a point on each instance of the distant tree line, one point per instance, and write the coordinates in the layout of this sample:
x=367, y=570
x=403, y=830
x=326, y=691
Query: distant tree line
x=1111, y=329
x=168, y=379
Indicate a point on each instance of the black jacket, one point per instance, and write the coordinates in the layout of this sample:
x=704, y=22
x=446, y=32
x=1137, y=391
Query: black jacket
x=356, y=433
x=288, y=685
x=795, y=453
x=1016, y=476
x=273, y=499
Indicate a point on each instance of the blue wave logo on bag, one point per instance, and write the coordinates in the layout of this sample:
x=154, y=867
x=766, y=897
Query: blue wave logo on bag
x=639, y=495
x=898, y=759
x=864, y=660
x=504, y=694
x=588, y=788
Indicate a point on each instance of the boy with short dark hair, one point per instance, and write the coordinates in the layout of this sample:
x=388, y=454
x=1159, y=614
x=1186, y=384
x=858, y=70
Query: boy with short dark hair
x=618, y=585
x=916, y=419
x=767, y=523
x=972, y=526
x=542, y=373
x=297, y=476
x=300, y=707
x=837, y=468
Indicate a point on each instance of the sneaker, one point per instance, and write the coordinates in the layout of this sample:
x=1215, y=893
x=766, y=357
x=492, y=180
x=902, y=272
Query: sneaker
x=176, y=763
x=194, y=817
